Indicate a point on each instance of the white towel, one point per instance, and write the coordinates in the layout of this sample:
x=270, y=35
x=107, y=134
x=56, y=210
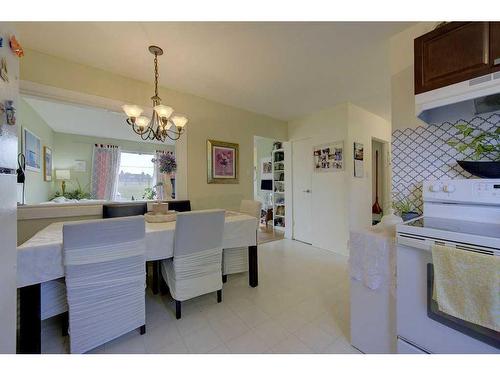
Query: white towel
x=372, y=258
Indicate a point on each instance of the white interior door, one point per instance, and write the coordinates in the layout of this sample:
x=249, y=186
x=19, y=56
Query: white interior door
x=302, y=192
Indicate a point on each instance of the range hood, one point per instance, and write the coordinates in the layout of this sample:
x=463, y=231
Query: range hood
x=462, y=100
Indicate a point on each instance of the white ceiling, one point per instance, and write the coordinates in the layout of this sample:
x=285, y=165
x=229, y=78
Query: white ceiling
x=284, y=70
x=82, y=120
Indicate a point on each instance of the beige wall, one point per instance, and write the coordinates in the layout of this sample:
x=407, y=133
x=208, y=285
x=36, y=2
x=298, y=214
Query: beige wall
x=36, y=188
x=207, y=120
x=340, y=201
x=363, y=127
x=402, y=83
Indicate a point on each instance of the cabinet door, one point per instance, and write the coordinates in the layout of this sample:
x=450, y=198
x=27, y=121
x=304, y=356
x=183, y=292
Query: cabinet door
x=495, y=45
x=452, y=53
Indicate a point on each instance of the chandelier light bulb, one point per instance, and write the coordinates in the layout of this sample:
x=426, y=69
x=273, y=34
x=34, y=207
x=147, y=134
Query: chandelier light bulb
x=132, y=110
x=179, y=121
x=142, y=122
x=163, y=111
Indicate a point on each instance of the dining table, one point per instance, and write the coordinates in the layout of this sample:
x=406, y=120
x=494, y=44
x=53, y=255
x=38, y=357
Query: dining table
x=40, y=260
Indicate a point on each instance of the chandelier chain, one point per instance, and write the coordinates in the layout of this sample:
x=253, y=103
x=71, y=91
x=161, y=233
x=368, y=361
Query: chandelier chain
x=156, y=74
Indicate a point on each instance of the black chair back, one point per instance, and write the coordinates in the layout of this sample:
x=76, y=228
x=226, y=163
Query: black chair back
x=111, y=210
x=180, y=206
x=123, y=209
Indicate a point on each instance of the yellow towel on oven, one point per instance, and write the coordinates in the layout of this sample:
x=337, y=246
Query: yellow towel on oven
x=468, y=285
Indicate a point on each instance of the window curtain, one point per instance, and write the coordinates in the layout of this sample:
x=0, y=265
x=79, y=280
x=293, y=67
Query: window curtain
x=105, y=171
x=168, y=188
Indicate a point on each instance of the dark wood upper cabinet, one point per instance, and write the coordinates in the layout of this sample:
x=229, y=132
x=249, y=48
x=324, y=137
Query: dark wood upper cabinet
x=456, y=52
x=495, y=45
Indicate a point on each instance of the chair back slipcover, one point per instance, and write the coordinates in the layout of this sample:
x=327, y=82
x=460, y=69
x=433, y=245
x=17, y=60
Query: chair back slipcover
x=196, y=267
x=104, y=263
x=235, y=260
x=251, y=208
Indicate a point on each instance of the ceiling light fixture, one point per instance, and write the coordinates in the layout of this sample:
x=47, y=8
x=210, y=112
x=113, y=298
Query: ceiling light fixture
x=163, y=124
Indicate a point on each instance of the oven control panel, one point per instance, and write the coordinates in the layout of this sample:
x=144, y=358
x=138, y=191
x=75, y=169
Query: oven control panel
x=474, y=191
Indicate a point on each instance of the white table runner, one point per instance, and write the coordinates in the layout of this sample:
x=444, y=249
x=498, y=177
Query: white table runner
x=40, y=258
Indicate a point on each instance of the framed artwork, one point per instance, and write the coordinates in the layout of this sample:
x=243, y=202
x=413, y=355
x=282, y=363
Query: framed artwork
x=32, y=151
x=80, y=166
x=328, y=157
x=358, y=160
x=266, y=168
x=222, y=162
x=47, y=164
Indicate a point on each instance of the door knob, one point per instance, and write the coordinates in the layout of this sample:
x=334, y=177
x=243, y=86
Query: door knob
x=306, y=191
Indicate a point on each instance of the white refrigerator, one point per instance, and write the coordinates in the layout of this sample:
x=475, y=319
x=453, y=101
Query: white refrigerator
x=9, y=91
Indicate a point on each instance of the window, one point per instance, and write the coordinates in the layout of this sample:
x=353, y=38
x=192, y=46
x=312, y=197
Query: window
x=136, y=174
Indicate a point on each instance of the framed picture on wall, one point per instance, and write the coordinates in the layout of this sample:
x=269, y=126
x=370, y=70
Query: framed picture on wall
x=80, y=166
x=222, y=162
x=266, y=168
x=358, y=160
x=329, y=157
x=32, y=151
x=47, y=164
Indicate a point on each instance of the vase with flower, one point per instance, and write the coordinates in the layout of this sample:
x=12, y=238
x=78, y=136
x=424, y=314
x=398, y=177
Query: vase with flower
x=167, y=166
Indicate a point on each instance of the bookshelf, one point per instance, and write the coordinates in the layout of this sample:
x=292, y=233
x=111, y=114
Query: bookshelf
x=279, y=188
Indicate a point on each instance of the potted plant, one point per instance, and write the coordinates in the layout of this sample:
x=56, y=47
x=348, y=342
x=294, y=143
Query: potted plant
x=77, y=194
x=482, y=143
x=150, y=193
x=406, y=209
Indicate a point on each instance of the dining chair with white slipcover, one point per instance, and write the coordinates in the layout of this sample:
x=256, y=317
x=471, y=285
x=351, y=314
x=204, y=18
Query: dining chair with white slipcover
x=235, y=260
x=196, y=267
x=104, y=265
x=53, y=301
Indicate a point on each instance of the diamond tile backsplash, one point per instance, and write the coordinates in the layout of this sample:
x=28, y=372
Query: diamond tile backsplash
x=422, y=154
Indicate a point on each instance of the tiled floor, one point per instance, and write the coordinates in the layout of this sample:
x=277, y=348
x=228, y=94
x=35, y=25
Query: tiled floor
x=300, y=306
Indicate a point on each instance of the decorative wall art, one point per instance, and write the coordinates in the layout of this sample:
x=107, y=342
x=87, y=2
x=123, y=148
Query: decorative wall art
x=47, y=164
x=80, y=166
x=222, y=162
x=32, y=151
x=266, y=171
x=358, y=160
x=16, y=47
x=10, y=112
x=4, y=74
x=329, y=157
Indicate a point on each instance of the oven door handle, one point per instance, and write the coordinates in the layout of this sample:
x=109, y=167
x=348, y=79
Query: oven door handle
x=419, y=243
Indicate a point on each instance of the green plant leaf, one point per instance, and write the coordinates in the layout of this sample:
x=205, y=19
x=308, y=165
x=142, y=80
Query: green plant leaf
x=468, y=132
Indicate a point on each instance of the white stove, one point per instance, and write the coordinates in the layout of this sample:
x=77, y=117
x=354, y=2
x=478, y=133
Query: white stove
x=460, y=213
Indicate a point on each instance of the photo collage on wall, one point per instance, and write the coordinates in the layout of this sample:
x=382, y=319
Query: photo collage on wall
x=329, y=157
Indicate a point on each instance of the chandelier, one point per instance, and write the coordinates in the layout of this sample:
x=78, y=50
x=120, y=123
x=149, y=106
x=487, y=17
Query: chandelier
x=163, y=124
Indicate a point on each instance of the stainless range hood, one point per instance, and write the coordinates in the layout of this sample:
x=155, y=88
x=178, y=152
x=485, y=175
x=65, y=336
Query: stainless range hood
x=462, y=100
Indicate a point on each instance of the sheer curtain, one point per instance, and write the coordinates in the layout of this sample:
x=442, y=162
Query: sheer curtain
x=105, y=170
